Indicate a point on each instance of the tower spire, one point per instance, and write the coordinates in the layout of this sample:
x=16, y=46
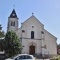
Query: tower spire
x=13, y=14
x=12, y=21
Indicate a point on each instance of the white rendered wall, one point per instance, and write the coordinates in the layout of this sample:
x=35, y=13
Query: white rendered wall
x=50, y=40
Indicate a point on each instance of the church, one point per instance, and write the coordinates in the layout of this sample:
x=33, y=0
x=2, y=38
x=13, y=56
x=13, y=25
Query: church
x=34, y=38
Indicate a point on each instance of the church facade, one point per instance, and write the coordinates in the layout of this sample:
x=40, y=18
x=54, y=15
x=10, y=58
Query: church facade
x=34, y=38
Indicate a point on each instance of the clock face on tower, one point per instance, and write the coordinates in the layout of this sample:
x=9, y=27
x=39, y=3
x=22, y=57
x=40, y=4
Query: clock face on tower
x=13, y=14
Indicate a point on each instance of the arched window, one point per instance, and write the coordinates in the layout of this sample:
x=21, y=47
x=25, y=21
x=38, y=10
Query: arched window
x=13, y=23
x=32, y=34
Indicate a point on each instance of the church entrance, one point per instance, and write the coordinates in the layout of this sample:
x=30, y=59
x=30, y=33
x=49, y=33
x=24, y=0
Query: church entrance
x=32, y=49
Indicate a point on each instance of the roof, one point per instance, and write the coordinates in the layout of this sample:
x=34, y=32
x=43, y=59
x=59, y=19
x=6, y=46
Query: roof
x=13, y=14
x=50, y=34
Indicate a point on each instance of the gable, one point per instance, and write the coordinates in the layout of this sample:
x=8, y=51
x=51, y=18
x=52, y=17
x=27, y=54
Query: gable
x=32, y=20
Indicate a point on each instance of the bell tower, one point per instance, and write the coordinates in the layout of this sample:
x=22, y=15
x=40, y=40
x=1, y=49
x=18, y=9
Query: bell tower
x=12, y=21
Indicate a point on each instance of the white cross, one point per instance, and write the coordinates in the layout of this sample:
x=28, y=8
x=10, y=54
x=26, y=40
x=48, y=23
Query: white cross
x=14, y=6
x=32, y=13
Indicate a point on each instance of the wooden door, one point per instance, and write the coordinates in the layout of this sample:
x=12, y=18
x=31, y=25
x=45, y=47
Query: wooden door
x=32, y=49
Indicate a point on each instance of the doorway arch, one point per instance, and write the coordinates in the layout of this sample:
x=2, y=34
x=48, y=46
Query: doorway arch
x=31, y=49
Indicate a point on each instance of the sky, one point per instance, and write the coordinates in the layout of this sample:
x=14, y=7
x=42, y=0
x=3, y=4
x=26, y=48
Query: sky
x=46, y=11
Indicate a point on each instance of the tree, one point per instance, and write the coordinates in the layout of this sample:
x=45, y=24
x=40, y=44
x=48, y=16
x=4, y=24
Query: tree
x=1, y=32
x=12, y=44
x=0, y=27
x=1, y=40
x=58, y=49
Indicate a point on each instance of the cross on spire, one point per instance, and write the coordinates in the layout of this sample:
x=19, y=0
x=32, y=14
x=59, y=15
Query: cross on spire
x=14, y=6
x=32, y=13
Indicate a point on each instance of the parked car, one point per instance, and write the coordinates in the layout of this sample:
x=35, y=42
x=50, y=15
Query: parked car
x=22, y=57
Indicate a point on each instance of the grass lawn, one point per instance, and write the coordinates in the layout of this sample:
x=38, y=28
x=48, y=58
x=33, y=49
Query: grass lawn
x=56, y=57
